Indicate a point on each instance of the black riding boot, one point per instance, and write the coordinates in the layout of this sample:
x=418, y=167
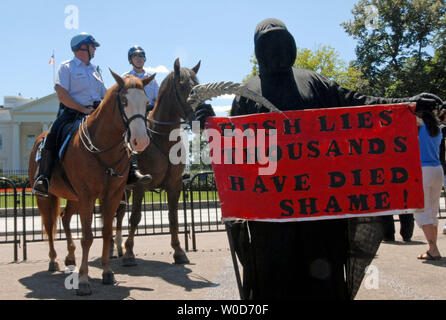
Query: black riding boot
x=135, y=176
x=42, y=183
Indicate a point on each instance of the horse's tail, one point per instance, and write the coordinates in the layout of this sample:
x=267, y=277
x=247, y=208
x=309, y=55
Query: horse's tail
x=49, y=212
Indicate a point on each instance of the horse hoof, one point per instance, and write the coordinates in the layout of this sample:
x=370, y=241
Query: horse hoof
x=108, y=278
x=84, y=289
x=181, y=258
x=113, y=255
x=129, y=262
x=69, y=262
x=53, y=267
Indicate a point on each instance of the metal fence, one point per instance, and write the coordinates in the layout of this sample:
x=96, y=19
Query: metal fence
x=198, y=211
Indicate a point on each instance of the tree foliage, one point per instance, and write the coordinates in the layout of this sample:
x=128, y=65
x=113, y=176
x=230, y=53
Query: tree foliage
x=325, y=61
x=401, y=46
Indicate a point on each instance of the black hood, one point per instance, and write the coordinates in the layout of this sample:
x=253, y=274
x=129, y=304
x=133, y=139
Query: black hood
x=275, y=47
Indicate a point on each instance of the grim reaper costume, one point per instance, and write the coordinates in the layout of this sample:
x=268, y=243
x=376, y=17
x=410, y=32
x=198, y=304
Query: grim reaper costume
x=300, y=260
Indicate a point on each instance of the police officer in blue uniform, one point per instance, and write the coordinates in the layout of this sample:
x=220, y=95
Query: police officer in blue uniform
x=80, y=89
x=137, y=58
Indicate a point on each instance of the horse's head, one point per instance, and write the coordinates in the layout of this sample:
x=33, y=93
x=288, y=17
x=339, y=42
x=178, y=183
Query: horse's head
x=184, y=80
x=132, y=102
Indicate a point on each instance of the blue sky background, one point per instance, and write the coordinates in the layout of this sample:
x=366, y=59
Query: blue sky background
x=219, y=33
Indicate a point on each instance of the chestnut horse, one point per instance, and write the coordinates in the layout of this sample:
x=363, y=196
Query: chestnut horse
x=170, y=108
x=96, y=164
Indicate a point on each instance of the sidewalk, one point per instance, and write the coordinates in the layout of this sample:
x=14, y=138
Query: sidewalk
x=402, y=276
x=210, y=276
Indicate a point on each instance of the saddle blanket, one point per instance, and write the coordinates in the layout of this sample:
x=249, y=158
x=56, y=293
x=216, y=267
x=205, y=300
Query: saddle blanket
x=63, y=137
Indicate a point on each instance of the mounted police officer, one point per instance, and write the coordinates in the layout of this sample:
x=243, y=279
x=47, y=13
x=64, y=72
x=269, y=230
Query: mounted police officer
x=80, y=89
x=137, y=58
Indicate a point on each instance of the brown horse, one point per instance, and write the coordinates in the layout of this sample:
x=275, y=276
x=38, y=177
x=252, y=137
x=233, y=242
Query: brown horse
x=96, y=164
x=170, y=108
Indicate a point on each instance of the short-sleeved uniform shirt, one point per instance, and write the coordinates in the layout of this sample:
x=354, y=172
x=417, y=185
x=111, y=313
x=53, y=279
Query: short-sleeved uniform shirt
x=151, y=89
x=84, y=83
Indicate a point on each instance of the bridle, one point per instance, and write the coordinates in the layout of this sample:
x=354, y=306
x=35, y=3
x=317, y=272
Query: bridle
x=122, y=104
x=183, y=105
x=88, y=143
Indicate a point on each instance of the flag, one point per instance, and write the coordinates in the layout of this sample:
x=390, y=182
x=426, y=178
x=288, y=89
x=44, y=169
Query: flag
x=51, y=60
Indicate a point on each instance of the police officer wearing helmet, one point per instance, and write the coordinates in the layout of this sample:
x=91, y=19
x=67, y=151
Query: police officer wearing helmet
x=137, y=58
x=80, y=89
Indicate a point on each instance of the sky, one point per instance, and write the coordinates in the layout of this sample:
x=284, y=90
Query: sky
x=219, y=33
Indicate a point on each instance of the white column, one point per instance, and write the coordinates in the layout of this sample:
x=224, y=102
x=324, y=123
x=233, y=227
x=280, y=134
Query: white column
x=16, y=146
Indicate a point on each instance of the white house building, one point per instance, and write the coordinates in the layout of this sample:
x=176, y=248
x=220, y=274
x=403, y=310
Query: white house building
x=21, y=122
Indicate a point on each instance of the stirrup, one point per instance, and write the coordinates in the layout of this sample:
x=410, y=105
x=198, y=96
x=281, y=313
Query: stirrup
x=39, y=193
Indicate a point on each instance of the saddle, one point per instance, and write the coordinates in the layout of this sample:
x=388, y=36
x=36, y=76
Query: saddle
x=65, y=133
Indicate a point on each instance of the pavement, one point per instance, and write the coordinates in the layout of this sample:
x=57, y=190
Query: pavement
x=395, y=273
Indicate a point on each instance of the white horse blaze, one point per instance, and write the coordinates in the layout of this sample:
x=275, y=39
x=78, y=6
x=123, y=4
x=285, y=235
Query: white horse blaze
x=137, y=101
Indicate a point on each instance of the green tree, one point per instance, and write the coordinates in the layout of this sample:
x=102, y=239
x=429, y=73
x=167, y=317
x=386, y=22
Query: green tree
x=401, y=45
x=325, y=61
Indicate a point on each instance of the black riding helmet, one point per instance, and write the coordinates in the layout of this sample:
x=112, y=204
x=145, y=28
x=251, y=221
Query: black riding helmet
x=133, y=50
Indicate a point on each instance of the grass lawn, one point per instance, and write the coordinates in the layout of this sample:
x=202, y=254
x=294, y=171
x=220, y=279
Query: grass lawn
x=7, y=200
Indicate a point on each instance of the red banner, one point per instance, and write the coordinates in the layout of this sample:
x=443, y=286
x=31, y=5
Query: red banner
x=317, y=164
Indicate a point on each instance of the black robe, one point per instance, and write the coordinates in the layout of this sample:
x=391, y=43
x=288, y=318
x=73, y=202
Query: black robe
x=301, y=260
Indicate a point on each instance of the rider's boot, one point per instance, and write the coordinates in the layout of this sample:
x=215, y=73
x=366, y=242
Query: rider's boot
x=135, y=176
x=42, y=184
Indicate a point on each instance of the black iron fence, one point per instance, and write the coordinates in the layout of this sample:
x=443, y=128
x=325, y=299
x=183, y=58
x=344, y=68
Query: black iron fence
x=198, y=211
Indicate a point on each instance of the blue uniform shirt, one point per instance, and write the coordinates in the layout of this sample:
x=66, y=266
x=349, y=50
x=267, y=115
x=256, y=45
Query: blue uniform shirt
x=429, y=148
x=151, y=89
x=83, y=83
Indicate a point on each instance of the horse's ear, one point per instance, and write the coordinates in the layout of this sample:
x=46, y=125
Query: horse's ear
x=147, y=80
x=176, y=67
x=197, y=67
x=118, y=79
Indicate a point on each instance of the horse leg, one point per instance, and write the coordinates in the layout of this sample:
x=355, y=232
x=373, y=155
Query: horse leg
x=119, y=217
x=129, y=257
x=109, y=206
x=68, y=212
x=86, y=216
x=49, y=209
x=179, y=255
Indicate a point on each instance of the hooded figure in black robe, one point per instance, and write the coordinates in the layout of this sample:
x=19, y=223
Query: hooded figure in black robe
x=300, y=260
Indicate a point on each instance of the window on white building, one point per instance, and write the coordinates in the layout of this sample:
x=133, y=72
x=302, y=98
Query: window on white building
x=30, y=142
x=1, y=142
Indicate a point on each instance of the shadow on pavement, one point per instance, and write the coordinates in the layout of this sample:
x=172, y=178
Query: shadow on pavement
x=174, y=274
x=46, y=285
x=403, y=243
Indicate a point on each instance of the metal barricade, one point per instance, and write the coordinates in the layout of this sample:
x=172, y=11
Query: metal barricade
x=199, y=198
x=154, y=220
x=205, y=205
x=9, y=232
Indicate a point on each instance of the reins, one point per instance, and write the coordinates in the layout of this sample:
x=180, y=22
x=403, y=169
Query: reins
x=87, y=142
x=169, y=123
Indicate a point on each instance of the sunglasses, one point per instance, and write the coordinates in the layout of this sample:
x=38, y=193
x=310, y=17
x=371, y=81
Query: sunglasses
x=138, y=55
